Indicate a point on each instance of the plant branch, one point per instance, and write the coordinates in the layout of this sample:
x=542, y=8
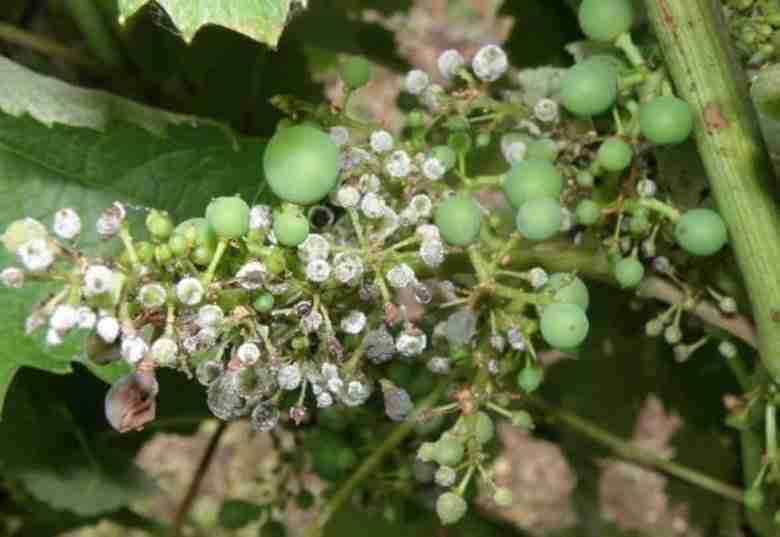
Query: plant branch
x=98, y=35
x=696, y=47
x=48, y=47
x=372, y=462
x=197, y=479
x=628, y=451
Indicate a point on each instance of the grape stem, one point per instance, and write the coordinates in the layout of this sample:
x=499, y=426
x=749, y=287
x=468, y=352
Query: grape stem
x=218, y=253
x=370, y=464
x=628, y=451
x=696, y=47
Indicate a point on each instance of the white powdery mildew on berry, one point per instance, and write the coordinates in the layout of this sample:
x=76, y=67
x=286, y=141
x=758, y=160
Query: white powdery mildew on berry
x=152, y=295
x=108, y=329
x=67, y=224
x=400, y=276
x=134, y=349
x=209, y=316
x=449, y=62
x=433, y=169
x=318, y=270
x=260, y=217
x=164, y=351
x=490, y=63
x=290, y=377
x=354, y=322
x=339, y=135
x=398, y=164
x=416, y=81
x=98, y=280
x=190, y=291
x=315, y=246
x=248, y=353
x=36, y=255
x=252, y=275
x=372, y=206
x=12, y=277
x=546, y=110
x=348, y=197
x=64, y=318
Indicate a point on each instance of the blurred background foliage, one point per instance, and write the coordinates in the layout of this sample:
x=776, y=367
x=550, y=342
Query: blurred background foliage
x=61, y=467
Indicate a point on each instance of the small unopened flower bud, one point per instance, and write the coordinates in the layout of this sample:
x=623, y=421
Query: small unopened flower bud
x=67, y=224
x=131, y=401
x=728, y=305
x=672, y=334
x=727, y=349
x=12, y=277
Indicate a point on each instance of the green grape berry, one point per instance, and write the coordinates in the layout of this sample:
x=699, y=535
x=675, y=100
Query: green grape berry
x=615, y=155
x=179, y=245
x=585, y=179
x=482, y=140
x=539, y=219
x=564, y=326
x=228, y=216
x=629, y=272
x=568, y=289
x=701, y=232
x=163, y=254
x=159, y=224
x=458, y=219
x=202, y=256
x=542, y=149
x=446, y=155
x=587, y=212
x=532, y=179
x=666, y=120
x=264, y=303
x=197, y=232
x=356, y=72
x=450, y=507
x=290, y=225
x=589, y=88
x=145, y=251
x=301, y=164
x=530, y=378
x=448, y=451
x=605, y=20
x=484, y=429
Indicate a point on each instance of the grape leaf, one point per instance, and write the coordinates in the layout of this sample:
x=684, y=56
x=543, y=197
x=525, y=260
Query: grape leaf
x=62, y=146
x=56, y=456
x=262, y=20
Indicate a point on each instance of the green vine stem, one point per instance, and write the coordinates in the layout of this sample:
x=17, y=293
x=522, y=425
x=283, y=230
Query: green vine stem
x=630, y=452
x=695, y=44
x=96, y=31
x=369, y=465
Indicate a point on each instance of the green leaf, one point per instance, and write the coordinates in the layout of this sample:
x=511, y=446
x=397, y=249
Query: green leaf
x=49, y=450
x=235, y=514
x=62, y=146
x=262, y=20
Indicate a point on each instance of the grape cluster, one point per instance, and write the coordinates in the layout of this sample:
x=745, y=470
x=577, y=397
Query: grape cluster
x=376, y=261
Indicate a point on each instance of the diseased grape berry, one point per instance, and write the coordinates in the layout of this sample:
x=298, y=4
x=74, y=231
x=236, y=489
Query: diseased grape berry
x=615, y=155
x=356, y=72
x=605, y=20
x=569, y=289
x=458, y=219
x=228, y=216
x=291, y=227
x=532, y=179
x=301, y=164
x=450, y=507
x=629, y=272
x=564, y=326
x=444, y=154
x=539, y=219
x=589, y=88
x=701, y=232
x=666, y=120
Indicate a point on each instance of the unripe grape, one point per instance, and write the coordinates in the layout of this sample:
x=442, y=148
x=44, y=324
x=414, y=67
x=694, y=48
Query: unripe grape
x=202, y=256
x=301, y=164
x=585, y=179
x=589, y=88
x=264, y=303
x=445, y=155
x=483, y=427
x=542, y=149
x=666, y=120
x=532, y=179
x=228, y=216
x=701, y=232
x=615, y=155
x=356, y=72
x=564, y=325
x=588, y=212
x=458, y=219
x=522, y=419
x=450, y=507
x=539, y=219
x=530, y=378
x=629, y=272
x=198, y=233
x=291, y=227
x=448, y=451
x=460, y=142
x=568, y=289
x=159, y=224
x=605, y=20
